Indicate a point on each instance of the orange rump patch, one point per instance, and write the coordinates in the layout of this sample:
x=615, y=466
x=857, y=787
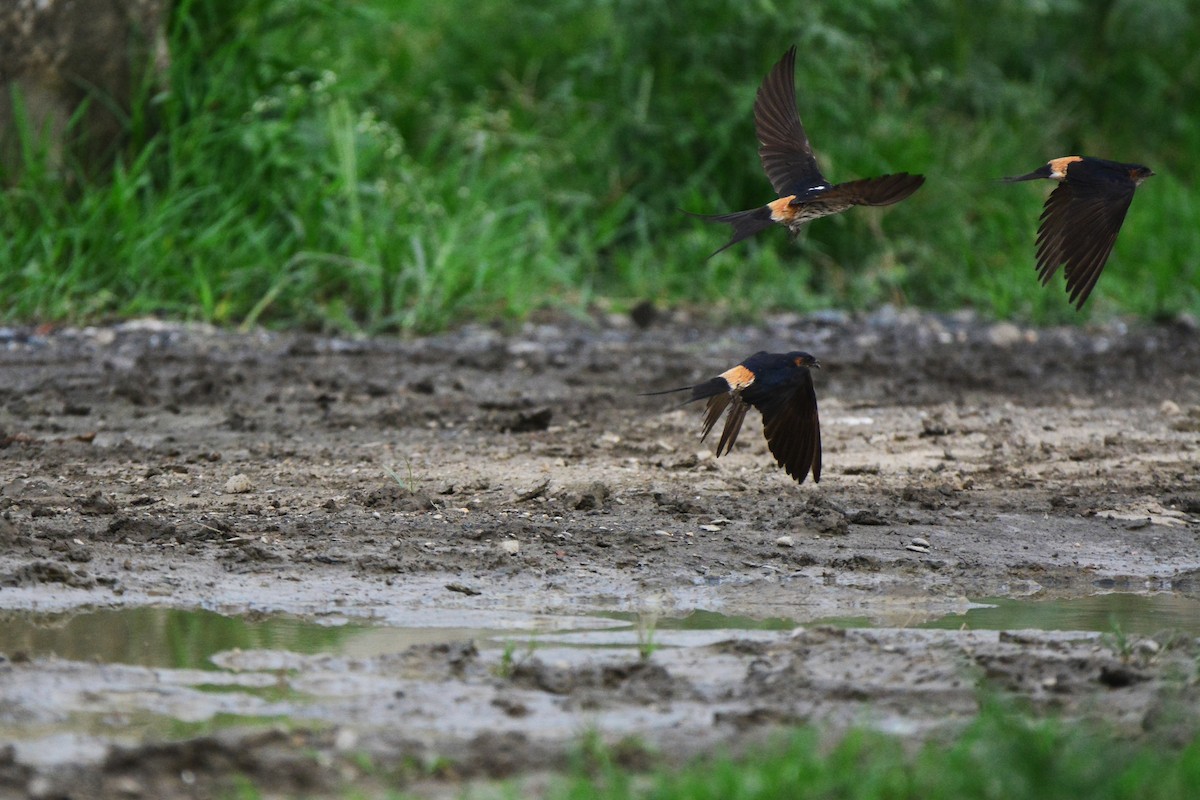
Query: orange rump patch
x=738, y=378
x=782, y=209
x=1058, y=166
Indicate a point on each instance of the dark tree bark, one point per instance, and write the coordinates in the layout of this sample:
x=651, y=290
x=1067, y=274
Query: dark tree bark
x=57, y=54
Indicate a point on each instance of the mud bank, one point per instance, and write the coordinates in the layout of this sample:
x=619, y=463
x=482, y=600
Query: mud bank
x=515, y=480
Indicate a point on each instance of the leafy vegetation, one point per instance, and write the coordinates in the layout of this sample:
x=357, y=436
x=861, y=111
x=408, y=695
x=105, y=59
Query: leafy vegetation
x=1001, y=755
x=398, y=165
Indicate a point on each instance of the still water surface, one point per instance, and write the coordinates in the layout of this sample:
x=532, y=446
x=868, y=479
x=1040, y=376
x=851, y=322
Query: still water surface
x=158, y=637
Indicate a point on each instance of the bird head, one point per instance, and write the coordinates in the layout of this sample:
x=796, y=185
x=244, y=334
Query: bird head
x=1140, y=173
x=802, y=359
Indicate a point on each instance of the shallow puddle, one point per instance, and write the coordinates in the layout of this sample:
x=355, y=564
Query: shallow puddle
x=1104, y=613
x=1115, y=612
x=1108, y=613
x=209, y=671
x=188, y=639
x=160, y=637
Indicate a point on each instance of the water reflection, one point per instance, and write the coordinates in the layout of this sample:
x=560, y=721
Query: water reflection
x=173, y=638
x=1104, y=613
x=159, y=637
x=1129, y=613
x=701, y=620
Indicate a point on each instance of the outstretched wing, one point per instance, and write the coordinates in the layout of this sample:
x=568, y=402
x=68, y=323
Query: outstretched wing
x=733, y=422
x=786, y=155
x=793, y=428
x=881, y=191
x=1079, y=226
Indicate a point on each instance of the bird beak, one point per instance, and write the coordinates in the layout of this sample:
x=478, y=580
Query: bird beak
x=816, y=363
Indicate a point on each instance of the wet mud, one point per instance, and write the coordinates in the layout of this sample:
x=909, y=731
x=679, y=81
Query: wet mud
x=491, y=480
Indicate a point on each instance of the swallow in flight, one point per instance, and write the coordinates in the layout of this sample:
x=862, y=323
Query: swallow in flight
x=780, y=386
x=1082, y=217
x=787, y=158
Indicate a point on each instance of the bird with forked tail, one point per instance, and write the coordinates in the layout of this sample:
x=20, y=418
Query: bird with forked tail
x=1082, y=217
x=780, y=386
x=787, y=158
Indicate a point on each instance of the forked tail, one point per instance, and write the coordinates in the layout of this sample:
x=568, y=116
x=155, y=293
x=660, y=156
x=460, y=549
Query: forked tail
x=709, y=388
x=1041, y=172
x=745, y=223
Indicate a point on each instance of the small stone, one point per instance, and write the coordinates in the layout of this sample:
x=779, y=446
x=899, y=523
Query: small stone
x=710, y=528
x=644, y=314
x=238, y=484
x=510, y=546
x=916, y=548
x=1004, y=334
x=128, y=786
x=39, y=787
x=536, y=491
x=1170, y=408
x=1148, y=647
x=586, y=497
x=530, y=421
x=345, y=740
x=917, y=540
x=785, y=541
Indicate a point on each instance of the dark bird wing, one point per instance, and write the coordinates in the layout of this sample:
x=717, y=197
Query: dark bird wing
x=733, y=422
x=881, y=191
x=720, y=398
x=793, y=428
x=786, y=155
x=1079, y=226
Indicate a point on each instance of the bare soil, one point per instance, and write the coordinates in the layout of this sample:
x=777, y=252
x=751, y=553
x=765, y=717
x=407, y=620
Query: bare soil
x=505, y=479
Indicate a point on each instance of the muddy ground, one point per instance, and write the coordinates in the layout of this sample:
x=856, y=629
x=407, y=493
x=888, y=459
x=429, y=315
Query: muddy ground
x=515, y=480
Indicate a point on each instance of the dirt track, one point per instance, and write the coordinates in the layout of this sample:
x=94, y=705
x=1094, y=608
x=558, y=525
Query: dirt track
x=153, y=464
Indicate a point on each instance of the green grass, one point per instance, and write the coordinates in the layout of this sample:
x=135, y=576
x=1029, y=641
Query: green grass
x=1001, y=756
x=398, y=165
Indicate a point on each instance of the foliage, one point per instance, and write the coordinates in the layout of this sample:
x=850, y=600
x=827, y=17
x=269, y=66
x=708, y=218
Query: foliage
x=1000, y=755
x=395, y=165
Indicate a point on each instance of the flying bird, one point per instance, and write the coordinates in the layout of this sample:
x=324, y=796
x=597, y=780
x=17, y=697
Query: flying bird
x=787, y=158
x=1082, y=216
x=780, y=386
